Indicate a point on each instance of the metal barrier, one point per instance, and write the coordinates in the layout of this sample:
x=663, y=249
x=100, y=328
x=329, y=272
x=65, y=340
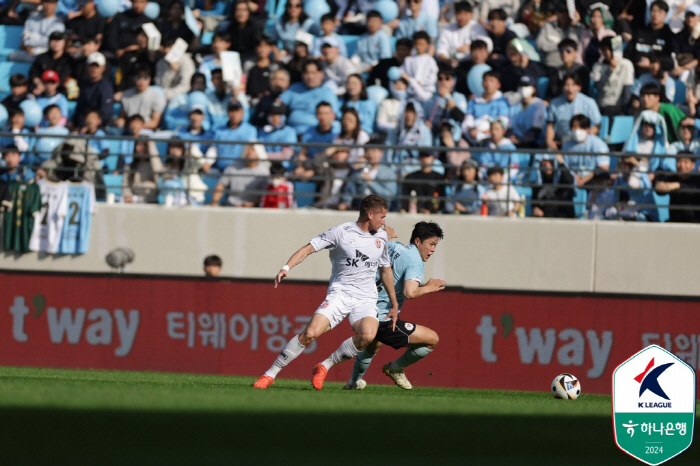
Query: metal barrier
x=524, y=181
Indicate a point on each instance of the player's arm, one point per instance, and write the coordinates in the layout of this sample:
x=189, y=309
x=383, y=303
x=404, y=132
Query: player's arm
x=296, y=259
x=413, y=290
x=387, y=276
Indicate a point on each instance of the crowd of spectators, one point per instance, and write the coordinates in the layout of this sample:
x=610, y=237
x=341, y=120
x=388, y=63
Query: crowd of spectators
x=493, y=76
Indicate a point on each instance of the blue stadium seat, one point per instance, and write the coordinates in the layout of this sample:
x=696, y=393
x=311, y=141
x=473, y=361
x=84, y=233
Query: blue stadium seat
x=580, y=199
x=211, y=182
x=305, y=187
x=7, y=69
x=679, y=97
x=72, y=104
x=112, y=160
x=207, y=38
x=662, y=201
x=621, y=129
x=113, y=183
x=350, y=44
x=542, y=85
x=604, y=127
x=10, y=40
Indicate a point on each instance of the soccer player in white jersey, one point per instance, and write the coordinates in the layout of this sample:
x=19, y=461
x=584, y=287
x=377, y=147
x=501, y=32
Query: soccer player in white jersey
x=408, y=264
x=357, y=251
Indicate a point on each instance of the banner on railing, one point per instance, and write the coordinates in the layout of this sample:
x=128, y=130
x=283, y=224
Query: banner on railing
x=487, y=340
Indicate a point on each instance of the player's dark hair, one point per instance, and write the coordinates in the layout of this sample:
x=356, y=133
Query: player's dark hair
x=373, y=203
x=212, y=260
x=426, y=230
x=418, y=35
x=583, y=121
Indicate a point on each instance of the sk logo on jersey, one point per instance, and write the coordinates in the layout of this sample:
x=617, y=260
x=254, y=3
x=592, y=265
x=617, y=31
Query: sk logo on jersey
x=358, y=257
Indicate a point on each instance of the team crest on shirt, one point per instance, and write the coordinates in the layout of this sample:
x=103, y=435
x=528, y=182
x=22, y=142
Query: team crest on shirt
x=324, y=304
x=378, y=243
x=408, y=326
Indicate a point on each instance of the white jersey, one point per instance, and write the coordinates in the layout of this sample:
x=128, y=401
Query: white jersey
x=355, y=255
x=48, y=223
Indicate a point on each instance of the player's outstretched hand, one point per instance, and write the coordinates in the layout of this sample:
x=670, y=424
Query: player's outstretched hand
x=394, y=316
x=390, y=232
x=435, y=284
x=280, y=276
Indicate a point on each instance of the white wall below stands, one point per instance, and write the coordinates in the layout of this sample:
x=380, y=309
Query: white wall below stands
x=478, y=252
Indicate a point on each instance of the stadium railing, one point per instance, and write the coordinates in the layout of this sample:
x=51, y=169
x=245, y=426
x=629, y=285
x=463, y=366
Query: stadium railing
x=107, y=180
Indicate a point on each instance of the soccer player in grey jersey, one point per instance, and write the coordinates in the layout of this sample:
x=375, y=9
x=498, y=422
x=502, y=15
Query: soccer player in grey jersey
x=357, y=251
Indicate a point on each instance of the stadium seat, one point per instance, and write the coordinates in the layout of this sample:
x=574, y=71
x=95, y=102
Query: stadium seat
x=7, y=69
x=72, y=104
x=304, y=187
x=211, y=182
x=10, y=40
x=621, y=129
x=580, y=199
x=542, y=85
x=112, y=160
x=207, y=38
x=662, y=201
x=679, y=97
x=350, y=44
x=604, y=128
x=113, y=184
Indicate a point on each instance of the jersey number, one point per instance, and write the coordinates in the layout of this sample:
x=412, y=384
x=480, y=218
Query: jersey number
x=74, y=216
x=45, y=206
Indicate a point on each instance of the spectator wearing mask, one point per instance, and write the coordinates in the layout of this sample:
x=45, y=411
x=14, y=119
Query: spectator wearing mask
x=379, y=72
x=54, y=59
x=529, y=116
x=373, y=178
x=567, y=50
x=683, y=188
x=142, y=99
x=356, y=98
x=500, y=36
x=445, y=104
x=467, y=193
x=338, y=68
x=37, y=30
x=174, y=77
x=564, y=107
x=554, y=186
x=276, y=135
x=582, y=142
x=292, y=21
x=426, y=183
x=455, y=40
x=374, y=45
x=302, y=98
x=482, y=110
x=657, y=37
x=244, y=179
x=279, y=191
x=279, y=82
x=613, y=78
x=553, y=32
x=236, y=130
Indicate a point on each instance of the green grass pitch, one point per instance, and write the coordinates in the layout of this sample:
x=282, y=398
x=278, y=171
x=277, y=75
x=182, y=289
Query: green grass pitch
x=58, y=416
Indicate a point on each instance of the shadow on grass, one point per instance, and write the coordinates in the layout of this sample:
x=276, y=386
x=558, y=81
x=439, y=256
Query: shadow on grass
x=61, y=436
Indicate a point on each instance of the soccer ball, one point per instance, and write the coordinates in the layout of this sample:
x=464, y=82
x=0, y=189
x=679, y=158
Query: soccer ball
x=566, y=387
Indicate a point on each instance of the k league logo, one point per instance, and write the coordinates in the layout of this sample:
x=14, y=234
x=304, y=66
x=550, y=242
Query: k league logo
x=653, y=401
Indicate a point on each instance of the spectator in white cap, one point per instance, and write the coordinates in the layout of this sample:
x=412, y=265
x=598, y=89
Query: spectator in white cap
x=96, y=92
x=338, y=68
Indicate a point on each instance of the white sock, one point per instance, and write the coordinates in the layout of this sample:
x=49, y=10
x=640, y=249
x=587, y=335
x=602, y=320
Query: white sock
x=345, y=352
x=288, y=354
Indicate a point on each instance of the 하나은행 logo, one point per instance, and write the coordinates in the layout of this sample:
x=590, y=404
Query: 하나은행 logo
x=653, y=404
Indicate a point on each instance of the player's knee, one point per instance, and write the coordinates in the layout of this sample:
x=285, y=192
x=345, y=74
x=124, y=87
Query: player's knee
x=308, y=336
x=364, y=339
x=433, y=340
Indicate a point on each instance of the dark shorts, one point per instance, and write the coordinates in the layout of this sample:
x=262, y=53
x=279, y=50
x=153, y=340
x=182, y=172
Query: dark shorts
x=399, y=337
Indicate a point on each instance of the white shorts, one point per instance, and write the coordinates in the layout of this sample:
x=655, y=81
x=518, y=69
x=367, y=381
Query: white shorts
x=338, y=306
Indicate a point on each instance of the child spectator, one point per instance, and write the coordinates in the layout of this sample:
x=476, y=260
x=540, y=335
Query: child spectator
x=141, y=175
x=338, y=68
x=567, y=50
x=379, y=72
x=467, y=193
x=479, y=56
x=418, y=21
x=51, y=96
x=356, y=97
x=482, y=110
x=502, y=199
x=563, y=108
x=455, y=40
x=280, y=190
x=12, y=171
x=19, y=92
x=554, y=186
x=582, y=142
x=93, y=124
x=292, y=21
x=220, y=43
x=136, y=127
x=672, y=115
x=258, y=80
x=175, y=77
x=613, y=78
x=421, y=66
x=649, y=142
x=327, y=32
x=683, y=188
x=52, y=121
x=529, y=116
x=374, y=45
x=36, y=32
x=235, y=130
